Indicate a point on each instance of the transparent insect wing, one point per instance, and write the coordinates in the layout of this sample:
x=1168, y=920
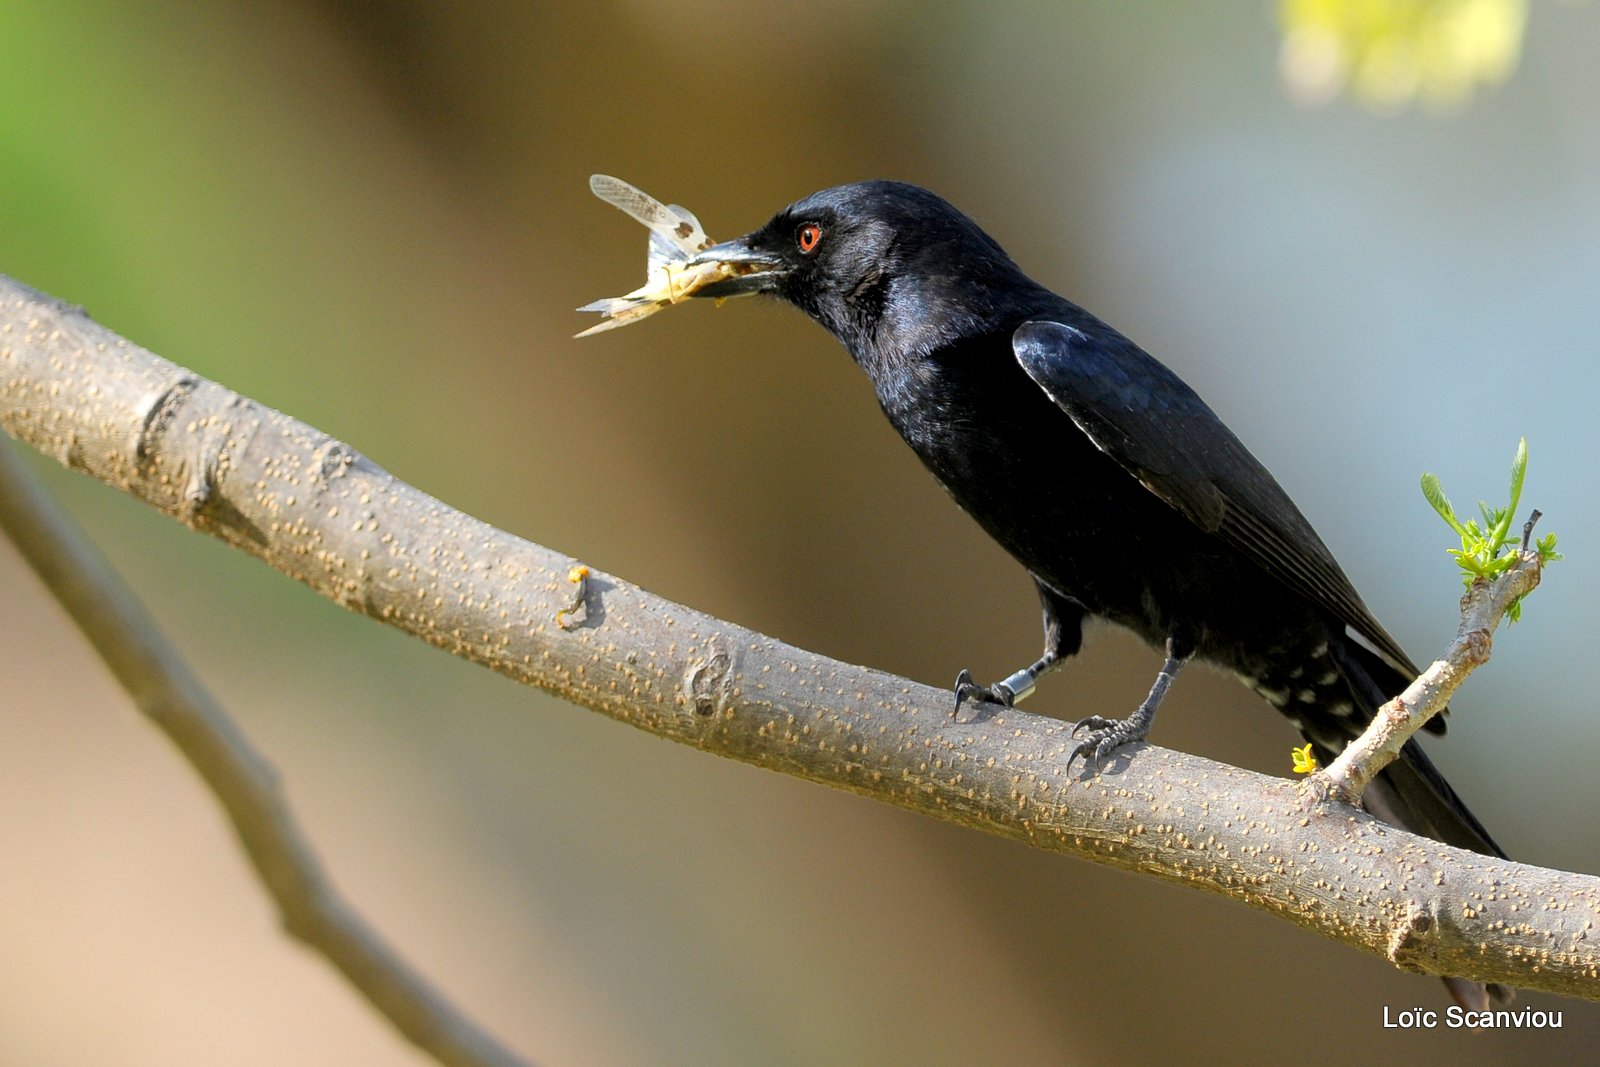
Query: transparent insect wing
x=617, y=318
x=676, y=226
x=609, y=306
x=678, y=243
x=662, y=253
x=624, y=197
x=688, y=234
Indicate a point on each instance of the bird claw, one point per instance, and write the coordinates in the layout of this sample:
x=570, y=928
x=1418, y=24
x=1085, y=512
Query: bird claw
x=1105, y=737
x=966, y=689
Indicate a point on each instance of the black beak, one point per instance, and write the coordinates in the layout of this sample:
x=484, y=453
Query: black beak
x=756, y=271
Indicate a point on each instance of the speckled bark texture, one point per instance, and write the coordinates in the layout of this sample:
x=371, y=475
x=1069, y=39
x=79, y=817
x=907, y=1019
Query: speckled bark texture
x=320, y=512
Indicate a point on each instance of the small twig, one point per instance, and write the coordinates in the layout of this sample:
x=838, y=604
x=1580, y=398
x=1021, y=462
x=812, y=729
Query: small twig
x=1527, y=528
x=1482, y=608
x=154, y=674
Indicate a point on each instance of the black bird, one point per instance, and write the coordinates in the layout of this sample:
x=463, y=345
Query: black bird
x=1107, y=477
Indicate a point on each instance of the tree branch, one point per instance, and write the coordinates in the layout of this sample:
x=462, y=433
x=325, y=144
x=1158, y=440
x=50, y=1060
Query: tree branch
x=1482, y=608
x=245, y=784
x=316, y=510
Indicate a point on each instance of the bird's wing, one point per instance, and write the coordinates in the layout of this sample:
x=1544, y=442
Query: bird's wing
x=1146, y=418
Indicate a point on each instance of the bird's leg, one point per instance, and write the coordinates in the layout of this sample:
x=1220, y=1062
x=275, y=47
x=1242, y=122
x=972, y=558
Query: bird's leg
x=1106, y=735
x=1016, y=686
x=1063, y=636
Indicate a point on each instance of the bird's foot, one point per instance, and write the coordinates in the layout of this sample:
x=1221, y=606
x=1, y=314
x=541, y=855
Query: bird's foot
x=1107, y=735
x=966, y=689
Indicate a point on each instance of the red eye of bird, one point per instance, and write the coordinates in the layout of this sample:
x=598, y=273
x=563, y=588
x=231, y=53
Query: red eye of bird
x=808, y=237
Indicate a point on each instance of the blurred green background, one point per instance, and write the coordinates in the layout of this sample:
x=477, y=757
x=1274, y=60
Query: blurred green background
x=375, y=217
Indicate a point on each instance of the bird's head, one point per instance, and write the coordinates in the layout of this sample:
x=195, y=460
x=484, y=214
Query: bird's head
x=877, y=263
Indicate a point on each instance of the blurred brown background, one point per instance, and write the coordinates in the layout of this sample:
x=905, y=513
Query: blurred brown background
x=375, y=217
